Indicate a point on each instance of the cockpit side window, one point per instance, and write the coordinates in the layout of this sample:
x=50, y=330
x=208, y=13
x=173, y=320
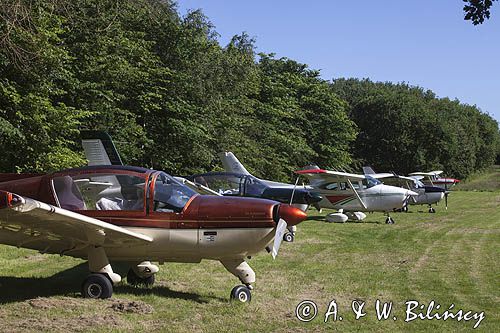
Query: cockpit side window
x=370, y=182
x=253, y=187
x=170, y=196
x=100, y=192
x=330, y=186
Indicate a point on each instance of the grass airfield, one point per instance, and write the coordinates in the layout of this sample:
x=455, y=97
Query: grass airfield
x=450, y=257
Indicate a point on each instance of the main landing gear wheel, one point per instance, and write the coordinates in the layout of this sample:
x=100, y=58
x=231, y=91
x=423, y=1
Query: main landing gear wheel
x=97, y=286
x=241, y=294
x=288, y=237
x=432, y=210
x=135, y=280
x=389, y=220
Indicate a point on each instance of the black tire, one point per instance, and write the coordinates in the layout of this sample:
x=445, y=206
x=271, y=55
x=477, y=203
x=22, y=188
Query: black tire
x=241, y=294
x=432, y=210
x=97, y=286
x=288, y=237
x=135, y=280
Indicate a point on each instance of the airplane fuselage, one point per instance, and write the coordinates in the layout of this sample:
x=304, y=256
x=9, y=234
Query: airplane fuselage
x=380, y=198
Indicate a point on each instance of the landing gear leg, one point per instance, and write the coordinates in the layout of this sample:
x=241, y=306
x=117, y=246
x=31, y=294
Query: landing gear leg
x=245, y=273
x=99, y=284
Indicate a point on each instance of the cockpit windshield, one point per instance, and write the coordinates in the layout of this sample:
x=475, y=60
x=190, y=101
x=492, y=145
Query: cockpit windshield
x=170, y=195
x=370, y=181
x=419, y=184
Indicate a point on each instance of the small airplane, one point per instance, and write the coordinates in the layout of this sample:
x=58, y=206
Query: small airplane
x=434, y=179
x=135, y=215
x=427, y=194
x=246, y=185
x=353, y=194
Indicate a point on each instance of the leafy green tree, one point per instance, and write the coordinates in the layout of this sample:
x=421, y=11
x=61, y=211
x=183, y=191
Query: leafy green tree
x=477, y=10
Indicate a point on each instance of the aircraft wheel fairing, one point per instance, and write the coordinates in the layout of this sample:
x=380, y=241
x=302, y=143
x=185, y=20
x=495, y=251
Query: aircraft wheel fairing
x=241, y=294
x=97, y=286
x=432, y=210
x=389, y=220
x=288, y=237
x=336, y=218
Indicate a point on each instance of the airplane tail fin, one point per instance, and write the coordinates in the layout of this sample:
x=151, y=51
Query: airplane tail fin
x=99, y=148
x=368, y=170
x=232, y=164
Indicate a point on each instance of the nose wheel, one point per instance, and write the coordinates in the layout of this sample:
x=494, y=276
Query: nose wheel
x=432, y=210
x=288, y=237
x=241, y=294
x=389, y=220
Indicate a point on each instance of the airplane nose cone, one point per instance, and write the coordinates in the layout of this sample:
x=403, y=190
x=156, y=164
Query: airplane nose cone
x=291, y=215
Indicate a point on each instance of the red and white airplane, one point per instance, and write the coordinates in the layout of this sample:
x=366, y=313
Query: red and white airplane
x=353, y=194
x=134, y=215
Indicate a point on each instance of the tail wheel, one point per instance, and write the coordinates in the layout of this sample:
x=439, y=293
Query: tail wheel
x=97, y=286
x=241, y=294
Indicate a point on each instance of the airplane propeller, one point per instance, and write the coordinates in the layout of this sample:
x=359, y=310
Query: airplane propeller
x=278, y=238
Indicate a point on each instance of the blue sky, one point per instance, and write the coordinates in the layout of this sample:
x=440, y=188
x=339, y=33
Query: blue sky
x=421, y=42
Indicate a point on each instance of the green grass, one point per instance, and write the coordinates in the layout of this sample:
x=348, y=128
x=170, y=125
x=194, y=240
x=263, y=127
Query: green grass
x=450, y=257
x=488, y=180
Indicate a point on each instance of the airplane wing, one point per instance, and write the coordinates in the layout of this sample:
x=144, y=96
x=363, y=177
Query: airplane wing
x=382, y=175
x=432, y=173
x=29, y=223
x=328, y=175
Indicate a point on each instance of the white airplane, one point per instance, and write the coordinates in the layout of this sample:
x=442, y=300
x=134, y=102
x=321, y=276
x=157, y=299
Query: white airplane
x=353, y=194
x=427, y=194
x=434, y=179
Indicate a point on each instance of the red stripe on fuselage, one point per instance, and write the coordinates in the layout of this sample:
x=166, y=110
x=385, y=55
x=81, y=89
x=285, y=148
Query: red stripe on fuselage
x=336, y=198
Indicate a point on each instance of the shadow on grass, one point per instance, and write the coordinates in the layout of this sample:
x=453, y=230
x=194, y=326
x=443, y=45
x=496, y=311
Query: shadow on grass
x=68, y=283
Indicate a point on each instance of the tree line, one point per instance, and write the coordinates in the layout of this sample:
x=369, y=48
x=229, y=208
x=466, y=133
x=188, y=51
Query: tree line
x=172, y=97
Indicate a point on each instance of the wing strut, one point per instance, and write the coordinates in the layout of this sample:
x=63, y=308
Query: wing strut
x=356, y=193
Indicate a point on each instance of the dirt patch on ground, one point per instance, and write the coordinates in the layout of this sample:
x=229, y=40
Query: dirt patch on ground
x=75, y=324
x=50, y=303
x=131, y=306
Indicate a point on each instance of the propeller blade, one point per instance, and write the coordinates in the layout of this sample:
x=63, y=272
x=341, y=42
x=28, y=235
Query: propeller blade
x=278, y=237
